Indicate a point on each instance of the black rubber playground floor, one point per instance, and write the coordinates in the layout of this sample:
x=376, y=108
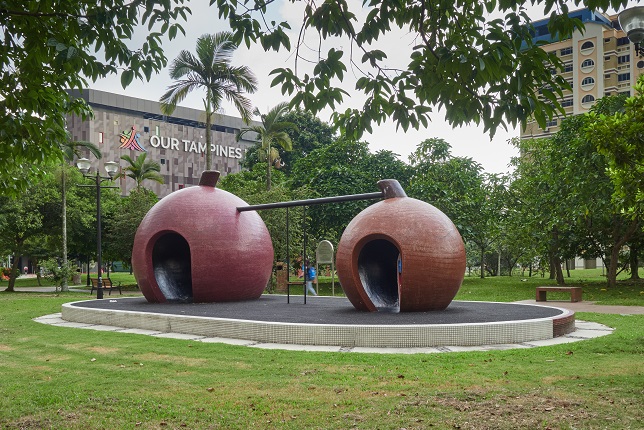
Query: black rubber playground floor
x=329, y=310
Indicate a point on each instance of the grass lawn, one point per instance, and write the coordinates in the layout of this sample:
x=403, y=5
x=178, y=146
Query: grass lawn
x=55, y=377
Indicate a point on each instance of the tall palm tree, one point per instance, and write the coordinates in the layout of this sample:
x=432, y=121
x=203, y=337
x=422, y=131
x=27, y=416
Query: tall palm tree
x=141, y=170
x=210, y=70
x=273, y=132
x=71, y=149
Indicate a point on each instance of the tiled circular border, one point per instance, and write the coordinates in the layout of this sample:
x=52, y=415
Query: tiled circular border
x=331, y=335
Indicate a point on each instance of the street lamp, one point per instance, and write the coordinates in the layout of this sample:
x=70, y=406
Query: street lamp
x=112, y=168
x=632, y=23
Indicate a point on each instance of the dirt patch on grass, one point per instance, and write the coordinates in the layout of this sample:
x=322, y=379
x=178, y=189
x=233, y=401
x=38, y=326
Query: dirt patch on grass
x=103, y=350
x=27, y=423
x=5, y=347
x=524, y=411
x=176, y=359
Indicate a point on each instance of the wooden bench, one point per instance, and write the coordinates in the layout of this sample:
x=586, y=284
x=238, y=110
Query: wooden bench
x=575, y=293
x=107, y=285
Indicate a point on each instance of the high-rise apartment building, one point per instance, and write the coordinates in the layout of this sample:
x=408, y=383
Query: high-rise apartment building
x=599, y=62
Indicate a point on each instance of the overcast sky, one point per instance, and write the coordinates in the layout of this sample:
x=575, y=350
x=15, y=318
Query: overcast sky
x=494, y=155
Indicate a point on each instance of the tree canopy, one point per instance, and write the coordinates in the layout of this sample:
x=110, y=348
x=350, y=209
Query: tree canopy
x=50, y=47
x=476, y=59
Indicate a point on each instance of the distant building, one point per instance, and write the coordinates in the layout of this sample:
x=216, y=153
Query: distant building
x=598, y=63
x=125, y=125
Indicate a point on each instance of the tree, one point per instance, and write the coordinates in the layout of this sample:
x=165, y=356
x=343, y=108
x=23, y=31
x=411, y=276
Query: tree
x=49, y=48
x=341, y=168
x=210, y=70
x=272, y=133
x=310, y=133
x=71, y=149
x=568, y=190
x=479, y=67
x=141, y=170
x=123, y=223
x=20, y=220
x=619, y=136
x=457, y=186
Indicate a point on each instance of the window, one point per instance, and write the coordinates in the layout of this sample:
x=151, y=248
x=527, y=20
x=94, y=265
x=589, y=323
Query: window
x=551, y=123
x=163, y=161
x=607, y=58
x=568, y=68
x=607, y=76
x=566, y=103
x=587, y=46
x=588, y=81
x=607, y=40
x=623, y=59
x=156, y=130
x=146, y=129
x=100, y=137
x=622, y=41
x=588, y=63
x=565, y=51
x=623, y=77
x=587, y=99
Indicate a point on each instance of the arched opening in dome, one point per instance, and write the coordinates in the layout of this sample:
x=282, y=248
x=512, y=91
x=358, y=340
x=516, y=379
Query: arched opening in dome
x=171, y=262
x=378, y=270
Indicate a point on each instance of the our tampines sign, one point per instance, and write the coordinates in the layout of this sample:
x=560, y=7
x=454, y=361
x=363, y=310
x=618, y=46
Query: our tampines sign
x=132, y=140
x=186, y=145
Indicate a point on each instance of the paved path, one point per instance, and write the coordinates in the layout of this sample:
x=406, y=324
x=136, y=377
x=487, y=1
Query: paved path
x=590, y=307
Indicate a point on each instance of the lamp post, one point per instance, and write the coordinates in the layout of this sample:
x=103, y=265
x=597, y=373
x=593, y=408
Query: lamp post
x=112, y=168
x=632, y=23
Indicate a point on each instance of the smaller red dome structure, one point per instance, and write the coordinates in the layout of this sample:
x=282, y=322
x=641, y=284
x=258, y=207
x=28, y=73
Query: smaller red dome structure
x=400, y=254
x=194, y=246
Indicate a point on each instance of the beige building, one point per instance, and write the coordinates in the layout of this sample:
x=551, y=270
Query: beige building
x=598, y=63
x=125, y=125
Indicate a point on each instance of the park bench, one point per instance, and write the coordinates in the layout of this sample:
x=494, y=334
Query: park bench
x=107, y=285
x=575, y=293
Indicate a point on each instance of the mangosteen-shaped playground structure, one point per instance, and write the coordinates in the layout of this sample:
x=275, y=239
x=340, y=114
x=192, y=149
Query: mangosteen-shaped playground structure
x=202, y=258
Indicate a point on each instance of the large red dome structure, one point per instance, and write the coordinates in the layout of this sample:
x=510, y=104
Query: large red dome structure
x=400, y=254
x=194, y=246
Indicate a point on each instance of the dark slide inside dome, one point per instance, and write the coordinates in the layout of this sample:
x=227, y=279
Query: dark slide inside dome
x=171, y=262
x=377, y=267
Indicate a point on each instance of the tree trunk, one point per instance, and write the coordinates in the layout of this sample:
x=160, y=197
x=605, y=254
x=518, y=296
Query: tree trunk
x=558, y=271
x=208, y=132
x=634, y=262
x=64, y=286
x=551, y=264
x=567, y=267
x=268, y=167
x=611, y=274
x=14, y=274
x=88, y=280
x=38, y=277
x=482, y=263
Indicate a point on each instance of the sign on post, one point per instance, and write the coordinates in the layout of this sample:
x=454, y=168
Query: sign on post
x=324, y=255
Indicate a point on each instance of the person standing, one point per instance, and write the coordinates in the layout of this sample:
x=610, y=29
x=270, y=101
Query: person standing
x=309, y=277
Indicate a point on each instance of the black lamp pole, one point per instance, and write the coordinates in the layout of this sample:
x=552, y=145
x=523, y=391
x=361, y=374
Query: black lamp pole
x=111, y=170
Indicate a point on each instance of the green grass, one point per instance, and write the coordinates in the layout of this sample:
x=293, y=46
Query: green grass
x=66, y=378
x=500, y=289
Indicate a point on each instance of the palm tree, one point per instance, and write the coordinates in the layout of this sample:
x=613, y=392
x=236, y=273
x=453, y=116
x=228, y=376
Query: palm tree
x=210, y=70
x=71, y=149
x=141, y=170
x=272, y=132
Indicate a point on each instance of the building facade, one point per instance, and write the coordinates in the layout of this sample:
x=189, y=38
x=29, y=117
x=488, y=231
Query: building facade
x=600, y=62
x=125, y=125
